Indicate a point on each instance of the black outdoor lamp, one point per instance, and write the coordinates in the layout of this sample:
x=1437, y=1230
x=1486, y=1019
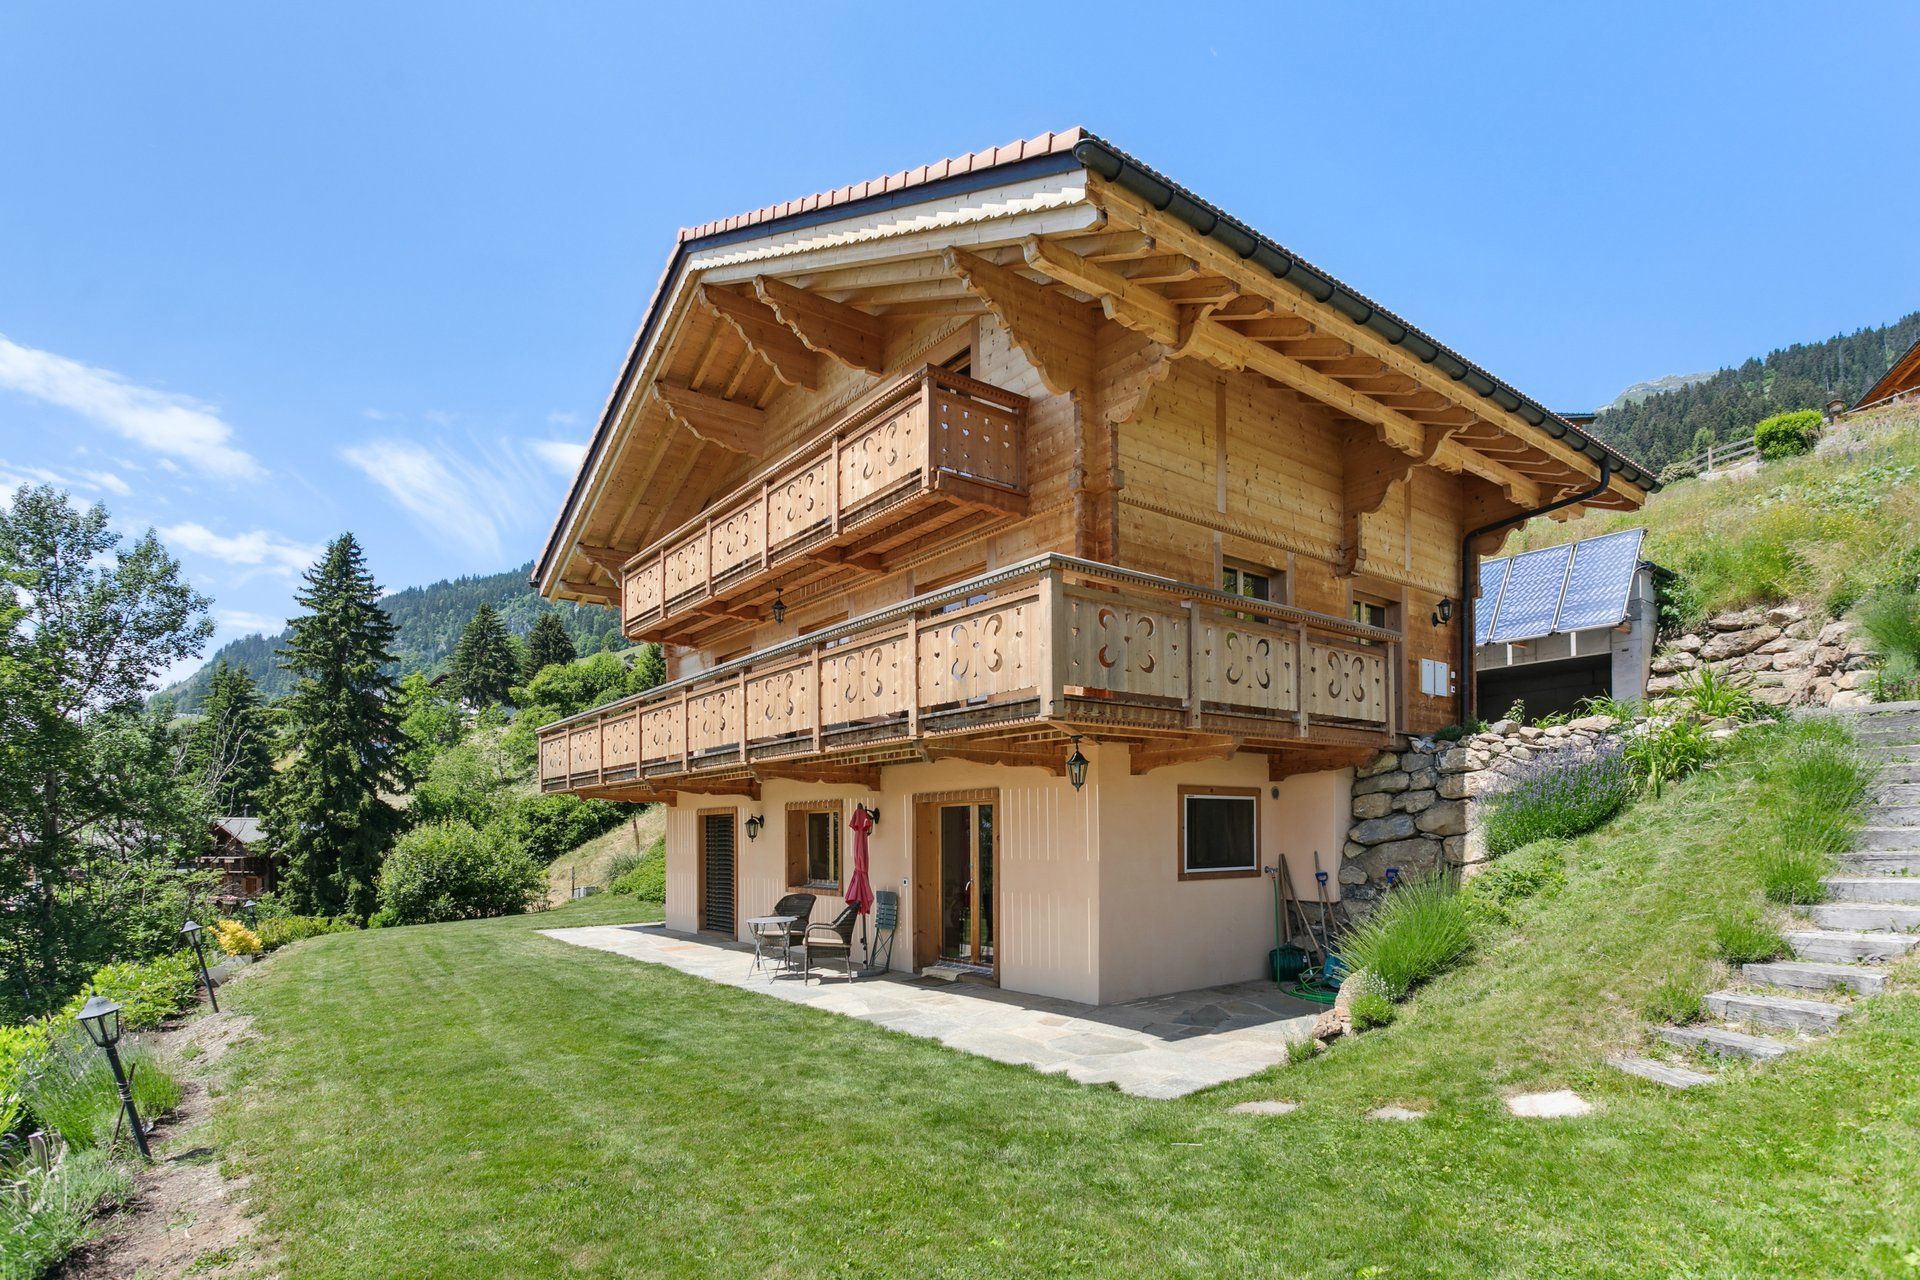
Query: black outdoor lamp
x=873, y=815
x=1077, y=766
x=250, y=909
x=191, y=932
x=101, y=1018
x=779, y=607
x=1444, y=614
x=753, y=826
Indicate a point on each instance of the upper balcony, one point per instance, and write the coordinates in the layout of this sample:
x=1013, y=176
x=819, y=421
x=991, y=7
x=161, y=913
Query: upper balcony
x=1002, y=668
x=935, y=455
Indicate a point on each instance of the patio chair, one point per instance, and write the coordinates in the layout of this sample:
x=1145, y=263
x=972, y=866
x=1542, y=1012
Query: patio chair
x=829, y=939
x=800, y=907
x=886, y=922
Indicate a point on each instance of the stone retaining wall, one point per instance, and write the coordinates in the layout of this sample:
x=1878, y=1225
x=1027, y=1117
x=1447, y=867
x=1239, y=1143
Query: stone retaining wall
x=1413, y=809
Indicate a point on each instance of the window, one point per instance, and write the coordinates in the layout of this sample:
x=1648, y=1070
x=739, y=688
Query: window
x=1254, y=584
x=1372, y=611
x=1219, y=832
x=813, y=844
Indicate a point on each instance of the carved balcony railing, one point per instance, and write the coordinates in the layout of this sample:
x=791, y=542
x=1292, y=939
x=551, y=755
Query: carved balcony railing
x=1054, y=641
x=934, y=451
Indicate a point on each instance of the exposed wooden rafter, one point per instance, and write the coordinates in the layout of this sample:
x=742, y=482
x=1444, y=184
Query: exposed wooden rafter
x=1056, y=335
x=1190, y=750
x=1053, y=761
x=855, y=775
x=847, y=334
x=789, y=358
x=727, y=423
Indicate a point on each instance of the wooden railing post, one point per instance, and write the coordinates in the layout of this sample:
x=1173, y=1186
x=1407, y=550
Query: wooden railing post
x=1301, y=689
x=913, y=675
x=819, y=702
x=1193, y=661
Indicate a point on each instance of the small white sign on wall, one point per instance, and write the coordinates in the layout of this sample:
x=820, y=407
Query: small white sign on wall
x=1436, y=678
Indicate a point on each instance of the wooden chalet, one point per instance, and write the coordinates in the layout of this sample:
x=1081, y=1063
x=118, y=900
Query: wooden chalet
x=929, y=483
x=1901, y=382
x=241, y=856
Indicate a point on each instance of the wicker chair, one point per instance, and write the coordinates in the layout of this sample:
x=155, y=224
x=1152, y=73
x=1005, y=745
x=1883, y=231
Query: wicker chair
x=830, y=939
x=800, y=907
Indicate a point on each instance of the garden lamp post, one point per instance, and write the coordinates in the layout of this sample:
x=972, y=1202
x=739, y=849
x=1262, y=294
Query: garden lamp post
x=101, y=1018
x=191, y=932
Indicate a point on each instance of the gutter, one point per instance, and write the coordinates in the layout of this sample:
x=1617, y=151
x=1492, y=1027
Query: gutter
x=1167, y=196
x=1470, y=569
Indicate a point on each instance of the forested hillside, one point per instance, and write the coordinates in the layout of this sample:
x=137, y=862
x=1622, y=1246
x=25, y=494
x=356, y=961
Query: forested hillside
x=1664, y=427
x=430, y=620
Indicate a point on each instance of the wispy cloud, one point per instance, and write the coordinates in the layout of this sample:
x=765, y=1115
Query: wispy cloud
x=460, y=494
x=562, y=418
x=13, y=475
x=108, y=481
x=169, y=424
x=563, y=456
x=255, y=548
x=242, y=622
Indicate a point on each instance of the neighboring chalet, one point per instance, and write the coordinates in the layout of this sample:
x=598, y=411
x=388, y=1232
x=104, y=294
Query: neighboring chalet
x=931, y=483
x=241, y=857
x=1902, y=382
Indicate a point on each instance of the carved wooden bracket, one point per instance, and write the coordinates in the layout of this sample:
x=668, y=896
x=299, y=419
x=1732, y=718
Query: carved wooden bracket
x=727, y=423
x=1055, y=334
x=791, y=360
x=848, y=334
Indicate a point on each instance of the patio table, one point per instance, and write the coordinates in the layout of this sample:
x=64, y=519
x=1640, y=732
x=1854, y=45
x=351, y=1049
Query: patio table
x=765, y=929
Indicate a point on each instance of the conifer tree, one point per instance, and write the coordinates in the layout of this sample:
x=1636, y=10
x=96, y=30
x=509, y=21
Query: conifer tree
x=231, y=747
x=329, y=817
x=484, y=664
x=548, y=643
x=649, y=669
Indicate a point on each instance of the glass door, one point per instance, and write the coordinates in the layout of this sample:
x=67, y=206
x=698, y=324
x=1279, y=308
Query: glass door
x=964, y=833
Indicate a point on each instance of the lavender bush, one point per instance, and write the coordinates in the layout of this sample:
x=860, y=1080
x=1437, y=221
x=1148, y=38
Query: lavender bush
x=1558, y=794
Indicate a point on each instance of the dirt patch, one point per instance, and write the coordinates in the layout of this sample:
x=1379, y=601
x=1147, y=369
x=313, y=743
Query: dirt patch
x=185, y=1217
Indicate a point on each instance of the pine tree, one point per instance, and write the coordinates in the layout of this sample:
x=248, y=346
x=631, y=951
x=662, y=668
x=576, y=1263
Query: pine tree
x=231, y=747
x=329, y=818
x=649, y=669
x=484, y=664
x=548, y=643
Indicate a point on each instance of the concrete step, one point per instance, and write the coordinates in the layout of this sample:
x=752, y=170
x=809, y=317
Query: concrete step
x=1881, y=864
x=1900, y=777
x=1884, y=839
x=1891, y=815
x=1894, y=795
x=1833, y=945
x=1667, y=1073
x=1800, y=975
x=1865, y=917
x=1883, y=755
x=1872, y=888
x=1731, y=1044
x=1787, y=1013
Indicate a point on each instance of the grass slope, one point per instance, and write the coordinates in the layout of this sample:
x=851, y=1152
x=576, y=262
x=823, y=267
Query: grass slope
x=1824, y=529
x=588, y=864
x=476, y=1100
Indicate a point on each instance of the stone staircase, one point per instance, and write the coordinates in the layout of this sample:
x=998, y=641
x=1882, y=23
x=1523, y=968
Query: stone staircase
x=1871, y=916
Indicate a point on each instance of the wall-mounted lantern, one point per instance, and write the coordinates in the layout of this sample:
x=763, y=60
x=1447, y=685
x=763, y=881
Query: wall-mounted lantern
x=779, y=607
x=754, y=824
x=1444, y=614
x=873, y=815
x=1077, y=766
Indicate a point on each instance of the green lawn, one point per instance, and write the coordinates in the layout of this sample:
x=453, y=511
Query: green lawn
x=476, y=1100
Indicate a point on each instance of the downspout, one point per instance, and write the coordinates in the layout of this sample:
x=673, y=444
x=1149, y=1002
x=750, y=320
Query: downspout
x=1470, y=586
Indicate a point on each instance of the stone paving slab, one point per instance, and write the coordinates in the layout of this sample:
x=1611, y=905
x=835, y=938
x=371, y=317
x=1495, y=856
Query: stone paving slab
x=1160, y=1047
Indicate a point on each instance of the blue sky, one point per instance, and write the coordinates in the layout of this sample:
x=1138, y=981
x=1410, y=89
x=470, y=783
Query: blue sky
x=270, y=273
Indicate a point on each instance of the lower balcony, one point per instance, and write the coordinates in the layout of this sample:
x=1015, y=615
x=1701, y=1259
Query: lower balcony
x=1003, y=667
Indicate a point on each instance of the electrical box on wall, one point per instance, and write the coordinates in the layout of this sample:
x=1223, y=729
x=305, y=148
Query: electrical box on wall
x=1436, y=678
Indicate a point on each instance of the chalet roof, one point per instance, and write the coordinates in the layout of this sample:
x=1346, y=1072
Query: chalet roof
x=1060, y=152
x=1902, y=378
x=245, y=830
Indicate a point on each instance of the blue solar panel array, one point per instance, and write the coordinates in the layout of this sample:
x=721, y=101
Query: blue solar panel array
x=1572, y=587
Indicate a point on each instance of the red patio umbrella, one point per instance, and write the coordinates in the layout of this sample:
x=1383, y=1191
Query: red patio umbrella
x=859, y=893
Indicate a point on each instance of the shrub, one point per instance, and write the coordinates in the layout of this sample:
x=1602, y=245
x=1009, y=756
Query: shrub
x=1745, y=937
x=1675, y=472
x=547, y=826
x=1677, y=997
x=236, y=939
x=49, y=1211
x=1370, y=1009
x=450, y=871
x=1536, y=870
x=1665, y=751
x=1787, y=435
x=148, y=993
x=20, y=1048
x=1718, y=696
x=1420, y=930
x=466, y=783
x=71, y=1090
x=641, y=876
x=281, y=930
x=1557, y=794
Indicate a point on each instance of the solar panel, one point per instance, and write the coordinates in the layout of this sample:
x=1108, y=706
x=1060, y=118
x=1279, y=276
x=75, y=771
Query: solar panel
x=1493, y=580
x=1573, y=587
x=1601, y=578
x=1532, y=600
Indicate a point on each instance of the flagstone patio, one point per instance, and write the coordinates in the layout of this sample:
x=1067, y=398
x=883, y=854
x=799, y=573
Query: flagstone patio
x=1161, y=1047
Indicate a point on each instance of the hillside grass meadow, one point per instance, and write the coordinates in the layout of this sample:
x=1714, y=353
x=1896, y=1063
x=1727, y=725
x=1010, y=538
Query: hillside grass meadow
x=476, y=1100
x=1827, y=529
